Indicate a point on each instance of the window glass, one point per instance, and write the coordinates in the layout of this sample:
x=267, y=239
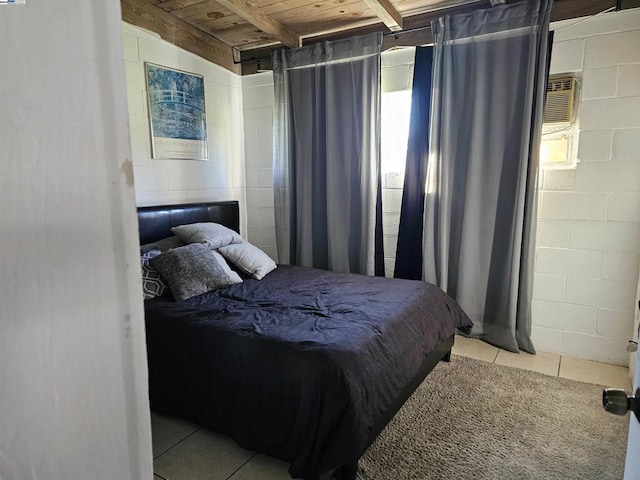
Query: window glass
x=553, y=151
x=396, y=112
x=560, y=127
x=556, y=147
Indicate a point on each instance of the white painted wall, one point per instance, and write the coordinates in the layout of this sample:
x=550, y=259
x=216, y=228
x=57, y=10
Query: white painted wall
x=258, y=103
x=588, y=242
x=397, y=74
x=73, y=372
x=159, y=181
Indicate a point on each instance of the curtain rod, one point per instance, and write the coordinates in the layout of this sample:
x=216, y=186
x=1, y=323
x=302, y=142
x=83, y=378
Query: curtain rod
x=389, y=34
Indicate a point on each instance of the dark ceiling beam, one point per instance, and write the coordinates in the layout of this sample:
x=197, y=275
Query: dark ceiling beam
x=566, y=9
x=178, y=32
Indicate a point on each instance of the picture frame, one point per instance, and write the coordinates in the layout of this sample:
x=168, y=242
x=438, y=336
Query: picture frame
x=177, y=115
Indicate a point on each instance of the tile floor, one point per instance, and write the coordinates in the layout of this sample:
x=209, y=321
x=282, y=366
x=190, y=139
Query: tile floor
x=185, y=451
x=548, y=363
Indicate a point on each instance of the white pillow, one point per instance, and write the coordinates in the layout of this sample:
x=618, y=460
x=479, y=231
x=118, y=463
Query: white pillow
x=249, y=258
x=233, y=276
x=211, y=234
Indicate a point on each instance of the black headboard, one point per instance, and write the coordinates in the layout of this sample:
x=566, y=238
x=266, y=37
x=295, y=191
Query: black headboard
x=154, y=223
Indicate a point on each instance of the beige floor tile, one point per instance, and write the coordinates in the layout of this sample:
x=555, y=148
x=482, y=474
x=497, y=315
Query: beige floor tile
x=542, y=362
x=264, y=468
x=202, y=456
x=156, y=477
x=167, y=431
x=469, y=347
x=613, y=376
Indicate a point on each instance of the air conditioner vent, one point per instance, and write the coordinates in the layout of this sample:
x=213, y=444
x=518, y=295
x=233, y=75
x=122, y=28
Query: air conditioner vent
x=561, y=99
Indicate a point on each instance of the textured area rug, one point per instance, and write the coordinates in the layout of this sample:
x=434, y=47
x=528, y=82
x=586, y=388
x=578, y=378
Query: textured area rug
x=475, y=420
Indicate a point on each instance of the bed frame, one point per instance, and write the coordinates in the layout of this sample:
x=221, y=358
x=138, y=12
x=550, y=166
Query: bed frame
x=155, y=223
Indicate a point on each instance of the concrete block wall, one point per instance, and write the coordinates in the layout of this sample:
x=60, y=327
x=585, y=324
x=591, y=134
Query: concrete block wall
x=258, y=102
x=392, y=183
x=588, y=243
x=159, y=181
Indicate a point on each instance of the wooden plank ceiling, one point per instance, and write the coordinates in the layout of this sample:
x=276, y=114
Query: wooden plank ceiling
x=244, y=29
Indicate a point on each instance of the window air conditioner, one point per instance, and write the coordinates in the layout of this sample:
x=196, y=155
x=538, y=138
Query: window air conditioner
x=561, y=102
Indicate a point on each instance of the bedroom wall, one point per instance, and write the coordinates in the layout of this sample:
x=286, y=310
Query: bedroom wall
x=588, y=242
x=73, y=372
x=178, y=181
x=258, y=101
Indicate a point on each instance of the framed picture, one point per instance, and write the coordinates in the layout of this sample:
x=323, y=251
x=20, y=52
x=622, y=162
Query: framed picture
x=176, y=113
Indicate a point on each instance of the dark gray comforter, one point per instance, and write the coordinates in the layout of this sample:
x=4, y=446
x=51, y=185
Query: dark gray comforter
x=299, y=365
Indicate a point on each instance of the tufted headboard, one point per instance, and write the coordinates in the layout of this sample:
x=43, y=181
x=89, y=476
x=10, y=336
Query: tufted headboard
x=154, y=223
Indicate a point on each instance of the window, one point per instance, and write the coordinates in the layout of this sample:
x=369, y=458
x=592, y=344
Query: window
x=560, y=122
x=395, y=112
x=556, y=147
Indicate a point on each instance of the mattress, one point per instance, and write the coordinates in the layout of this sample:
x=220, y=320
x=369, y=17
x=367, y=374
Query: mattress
x=299, y=365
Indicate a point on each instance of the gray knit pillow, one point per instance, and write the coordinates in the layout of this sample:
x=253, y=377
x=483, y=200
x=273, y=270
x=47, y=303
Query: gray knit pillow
x=191, y=270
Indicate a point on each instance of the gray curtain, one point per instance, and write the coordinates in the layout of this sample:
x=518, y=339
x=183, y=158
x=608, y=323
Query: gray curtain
x=480, y=207
x=326, y=154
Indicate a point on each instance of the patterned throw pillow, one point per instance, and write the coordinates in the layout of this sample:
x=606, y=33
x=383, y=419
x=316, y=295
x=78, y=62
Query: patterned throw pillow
x=192, y=270
x=152, y=283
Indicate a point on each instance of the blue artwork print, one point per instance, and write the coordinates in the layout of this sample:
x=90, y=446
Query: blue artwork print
x=177, y=113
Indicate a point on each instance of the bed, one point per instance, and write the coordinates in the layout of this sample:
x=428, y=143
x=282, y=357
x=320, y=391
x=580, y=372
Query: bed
x=305, y=365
